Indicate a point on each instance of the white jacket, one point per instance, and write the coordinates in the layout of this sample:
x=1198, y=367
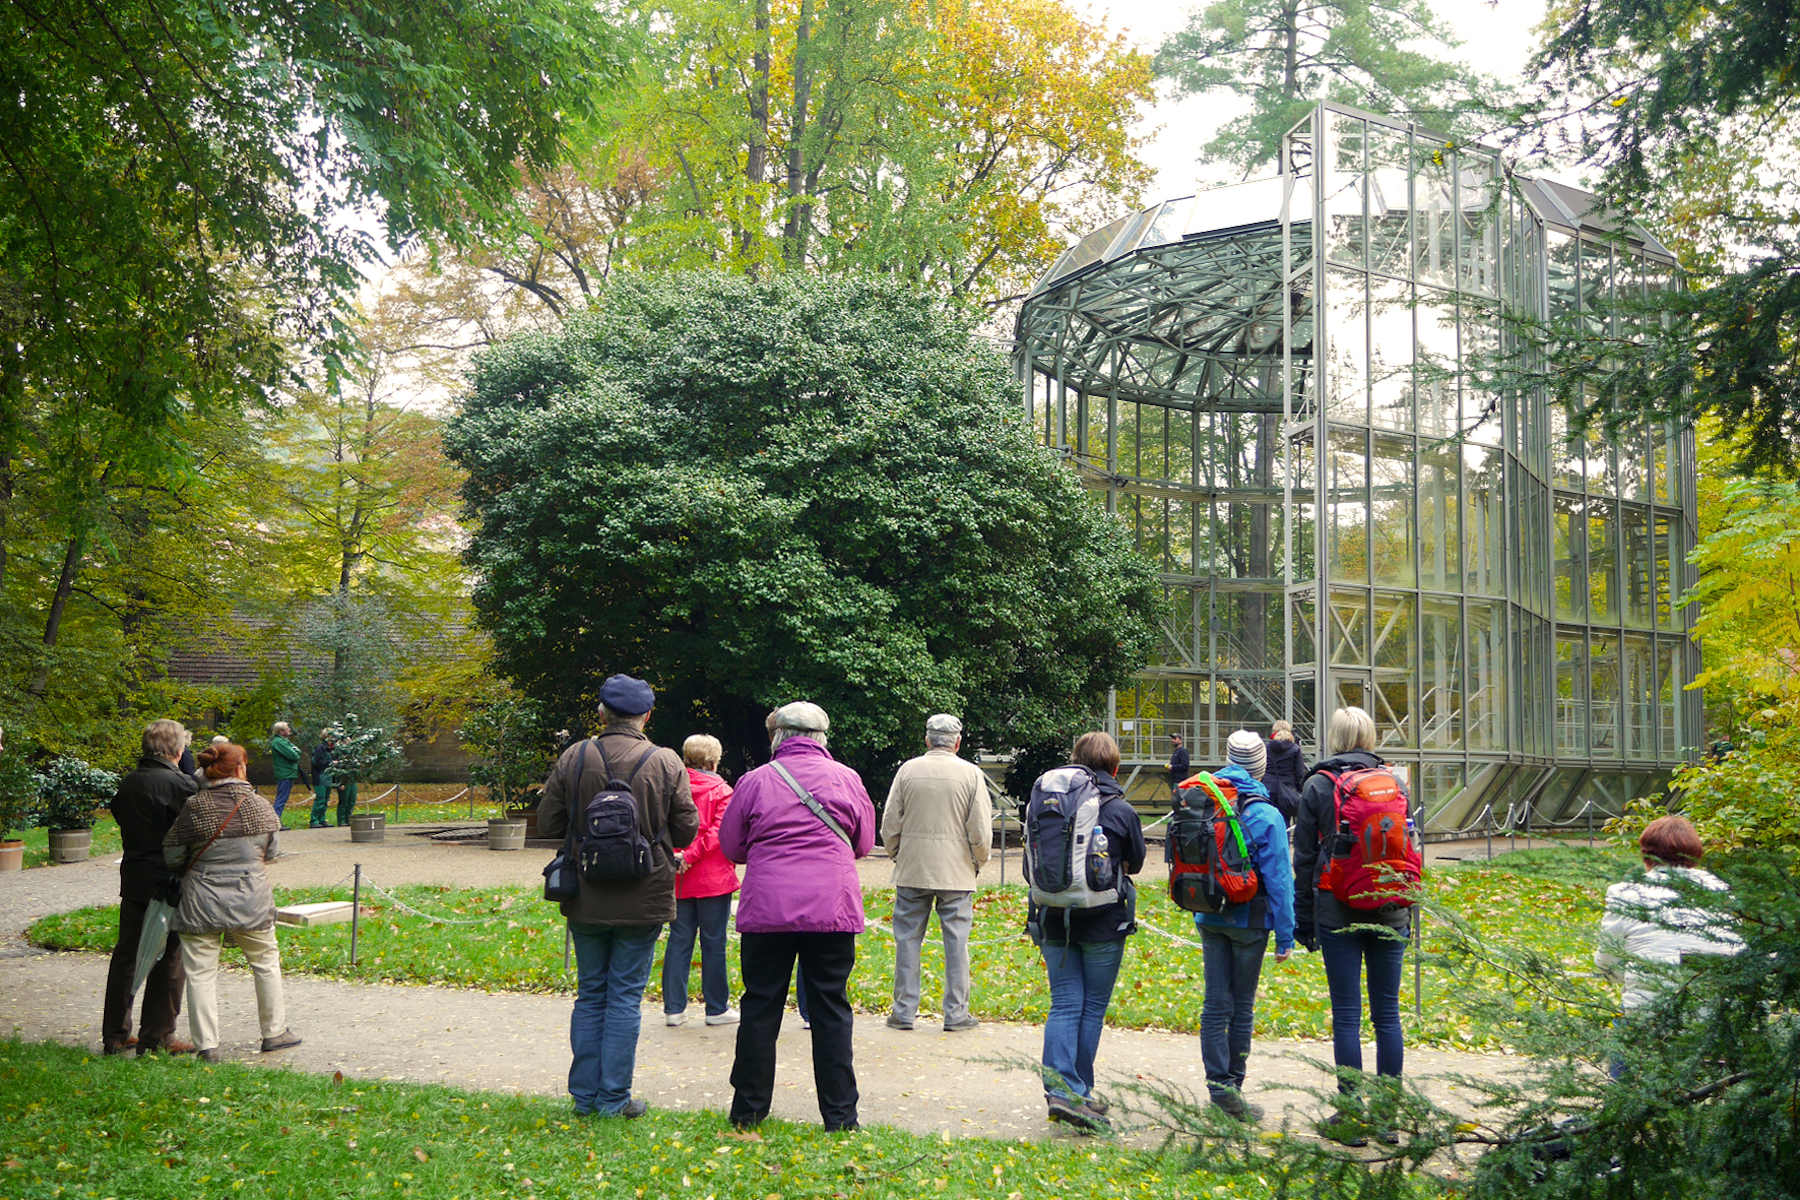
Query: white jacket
x=1645, y=922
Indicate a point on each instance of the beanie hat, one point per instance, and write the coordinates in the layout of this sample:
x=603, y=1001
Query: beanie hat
x=1245, y=749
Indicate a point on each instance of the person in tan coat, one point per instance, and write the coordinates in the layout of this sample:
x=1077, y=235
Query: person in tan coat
x=939, y=829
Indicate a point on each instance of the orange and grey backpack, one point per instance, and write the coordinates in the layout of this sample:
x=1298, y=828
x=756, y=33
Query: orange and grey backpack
x=1209, y=861
x=1373, y=863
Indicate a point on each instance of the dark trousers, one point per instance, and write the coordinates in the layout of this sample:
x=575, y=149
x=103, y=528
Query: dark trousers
x=1345, y=953
x=1234, y=961
x=709, y=918
x=162, y=990
x=767, y=963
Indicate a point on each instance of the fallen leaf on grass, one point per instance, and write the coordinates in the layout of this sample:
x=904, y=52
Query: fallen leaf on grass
x=744, y=1135
x=421, y=1155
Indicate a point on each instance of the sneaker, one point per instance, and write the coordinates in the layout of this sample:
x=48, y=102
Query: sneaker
x=1388, y=1137
x=805, y=1024
x=1233, y=1105
x=895, y=1021
x=728, y=1017
x=673, y=1019
x=1344, y=1130
x=634, y=1108
x=959, y=1026
x=1076, y=1113
x=211, y=1056
x=285, y=1040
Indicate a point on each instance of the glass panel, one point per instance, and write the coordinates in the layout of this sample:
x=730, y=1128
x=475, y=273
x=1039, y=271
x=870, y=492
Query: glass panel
x=1638, y=696
x=1346, y=370
x=1391, y=521
x=1434, y=221
x=1390, y=353
x=1392, y=658
x=1596, y=289
x=1661, y=464
x=1482, y=420
x=1602, y=469
x=1347, y=626
x=1668, y=694
x=1302, y=615
x=1486, y=723
x=1634, y=471
x=1304, y=543
x=1440, y=536
x=1484, y=521
x=1435, y=366
x=1441, y=674
x=1478, y=198
x=1347, y=497
x=1665, y=609
x=1635, y=535
x=1390, y=210
x=1565, y=454
x=1603, y=706
x=1569, y=545
x=1571, y=691
x=1603, y=566
x=1561, y=250
x=1344, y=193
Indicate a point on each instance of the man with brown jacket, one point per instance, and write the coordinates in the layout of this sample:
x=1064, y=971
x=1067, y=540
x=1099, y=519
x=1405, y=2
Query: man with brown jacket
x=614, y=925
x=939, y=828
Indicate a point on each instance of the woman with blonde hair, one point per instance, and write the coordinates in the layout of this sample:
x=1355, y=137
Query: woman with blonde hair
x=704, y=883
x=218, y=846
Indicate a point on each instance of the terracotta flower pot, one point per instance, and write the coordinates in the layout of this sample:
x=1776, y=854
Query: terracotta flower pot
x=12, y=855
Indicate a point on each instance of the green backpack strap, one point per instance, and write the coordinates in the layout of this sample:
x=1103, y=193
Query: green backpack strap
x=1237, y=832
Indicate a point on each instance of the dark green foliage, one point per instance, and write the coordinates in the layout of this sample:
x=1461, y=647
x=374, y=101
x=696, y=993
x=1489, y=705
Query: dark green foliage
x=754, y=492
x=1284, y=55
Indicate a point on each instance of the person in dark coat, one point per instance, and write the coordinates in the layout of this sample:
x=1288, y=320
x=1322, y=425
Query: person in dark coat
x=1321, y=923
x=1286, y=774
x=321, y=772
x=614, y=926
x=1179, y=762
x=145, y=806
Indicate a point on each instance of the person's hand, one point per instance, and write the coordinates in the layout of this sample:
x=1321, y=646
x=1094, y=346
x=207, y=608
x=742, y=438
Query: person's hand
x=1284, y=955
x=681, y=866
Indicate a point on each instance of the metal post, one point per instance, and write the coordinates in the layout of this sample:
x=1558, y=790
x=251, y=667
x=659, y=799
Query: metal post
x=1003, y=848
x=396, y=802
x=1490, y=832
x=355, y=911
x=1589, y=812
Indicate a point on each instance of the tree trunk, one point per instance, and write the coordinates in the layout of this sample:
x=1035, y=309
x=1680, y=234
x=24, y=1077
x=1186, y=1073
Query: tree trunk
x=799, y=215
x=1290, y=66
x=59, y=603
x=756, y=157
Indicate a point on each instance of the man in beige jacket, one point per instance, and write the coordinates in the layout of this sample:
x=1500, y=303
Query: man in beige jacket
x=939, y=828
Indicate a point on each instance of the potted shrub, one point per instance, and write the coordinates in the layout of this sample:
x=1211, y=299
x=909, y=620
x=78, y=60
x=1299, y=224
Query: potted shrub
x=18, y=796
x=69, y=791
x=511, y=752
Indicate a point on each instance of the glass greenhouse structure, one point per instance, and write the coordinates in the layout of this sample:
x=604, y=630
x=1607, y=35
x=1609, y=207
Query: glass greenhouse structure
x=1297, y=393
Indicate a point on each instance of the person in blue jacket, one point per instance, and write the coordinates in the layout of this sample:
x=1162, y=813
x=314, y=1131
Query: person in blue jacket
x=1234, y=942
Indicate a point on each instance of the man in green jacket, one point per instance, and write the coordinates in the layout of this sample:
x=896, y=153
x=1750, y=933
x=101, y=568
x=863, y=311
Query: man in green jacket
x=287, y=763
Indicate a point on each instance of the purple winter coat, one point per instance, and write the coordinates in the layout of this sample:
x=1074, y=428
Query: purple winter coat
x=799, y=876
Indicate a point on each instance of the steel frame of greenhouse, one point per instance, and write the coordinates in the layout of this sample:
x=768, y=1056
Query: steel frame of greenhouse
x=1299, y=394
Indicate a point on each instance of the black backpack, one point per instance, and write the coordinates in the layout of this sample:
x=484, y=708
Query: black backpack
x=607, y=843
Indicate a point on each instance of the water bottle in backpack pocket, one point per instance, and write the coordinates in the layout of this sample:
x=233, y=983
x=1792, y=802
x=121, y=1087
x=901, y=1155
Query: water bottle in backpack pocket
x=1068, y=857
x=1209, y=860
x=1373, y=862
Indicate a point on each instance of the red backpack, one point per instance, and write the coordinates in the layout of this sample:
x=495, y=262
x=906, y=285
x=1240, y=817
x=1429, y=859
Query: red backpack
x=1373, y=862
x=1209, y=861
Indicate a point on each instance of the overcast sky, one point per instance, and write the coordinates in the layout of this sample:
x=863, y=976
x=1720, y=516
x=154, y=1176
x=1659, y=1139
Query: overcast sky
x=1497, y=37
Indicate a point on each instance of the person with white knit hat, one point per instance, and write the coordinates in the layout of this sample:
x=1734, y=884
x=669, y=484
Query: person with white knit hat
x=1234, y=942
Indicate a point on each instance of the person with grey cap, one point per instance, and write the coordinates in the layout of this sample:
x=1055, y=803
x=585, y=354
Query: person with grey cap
x=614, y=924
x=1233, y=942
x=939, y=829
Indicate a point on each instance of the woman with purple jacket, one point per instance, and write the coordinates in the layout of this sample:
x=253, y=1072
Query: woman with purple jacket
x=798, y=823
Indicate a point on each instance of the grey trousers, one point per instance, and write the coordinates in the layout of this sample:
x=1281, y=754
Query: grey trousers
x=912, y=913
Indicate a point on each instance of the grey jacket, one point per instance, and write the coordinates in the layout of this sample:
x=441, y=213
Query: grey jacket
x=227, y=888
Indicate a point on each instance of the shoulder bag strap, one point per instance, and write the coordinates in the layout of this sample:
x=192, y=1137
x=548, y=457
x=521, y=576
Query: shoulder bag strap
x=194, y=857
x=818, y=810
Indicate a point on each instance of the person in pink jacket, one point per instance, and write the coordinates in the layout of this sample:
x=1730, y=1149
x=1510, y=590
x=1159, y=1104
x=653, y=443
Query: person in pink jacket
x=799, y=822
x=704, y=882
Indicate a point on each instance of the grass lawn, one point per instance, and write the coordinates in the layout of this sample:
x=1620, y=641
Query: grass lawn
x=82, y=1126
x=510, y=940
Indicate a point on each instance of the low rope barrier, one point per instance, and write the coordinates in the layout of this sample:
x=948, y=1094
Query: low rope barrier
x=397, y=902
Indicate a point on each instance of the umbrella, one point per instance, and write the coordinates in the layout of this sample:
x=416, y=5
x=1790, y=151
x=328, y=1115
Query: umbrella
x=152, y=941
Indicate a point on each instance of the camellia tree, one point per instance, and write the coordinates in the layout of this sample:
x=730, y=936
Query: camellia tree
x=756, y=491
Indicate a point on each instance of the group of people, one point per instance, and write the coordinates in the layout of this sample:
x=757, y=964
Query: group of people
x=197, y=841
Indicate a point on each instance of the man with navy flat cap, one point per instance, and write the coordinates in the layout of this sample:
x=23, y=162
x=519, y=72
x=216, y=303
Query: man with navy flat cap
x=614, y=925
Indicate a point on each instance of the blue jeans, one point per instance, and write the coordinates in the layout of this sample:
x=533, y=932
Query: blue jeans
x=1082, y=975
x=1346, y=954
x=613, y=965
x=282, y=788
x=1234, y=961
x=707, y=916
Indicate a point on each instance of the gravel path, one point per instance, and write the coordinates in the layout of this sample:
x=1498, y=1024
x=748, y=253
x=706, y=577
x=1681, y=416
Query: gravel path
x=972, y=1082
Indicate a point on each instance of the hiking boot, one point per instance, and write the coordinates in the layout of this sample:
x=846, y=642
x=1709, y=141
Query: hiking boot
x=173, y=1045
x=1233, y=1105
x=1097, y=1105
x=1344, y=1130
x=728, y=1017
x=1077, y=1114
x=895, y=1021
x=674, y=1019
x=287, y=1039
x=959, y=1026
x=634, y=1108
